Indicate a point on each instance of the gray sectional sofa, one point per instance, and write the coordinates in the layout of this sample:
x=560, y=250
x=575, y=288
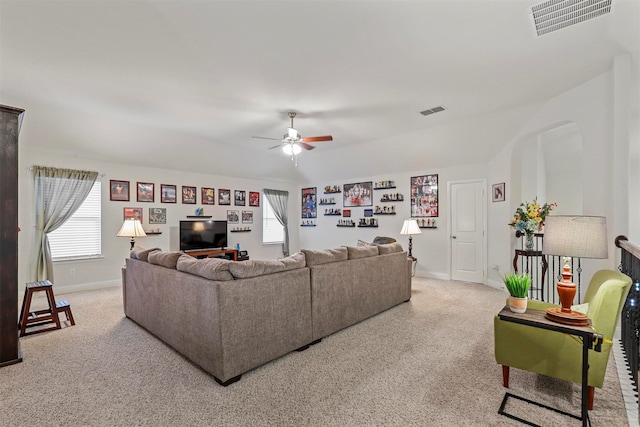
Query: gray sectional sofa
x=229, y=317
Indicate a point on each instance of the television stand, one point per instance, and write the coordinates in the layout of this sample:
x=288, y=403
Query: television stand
x=206, y=253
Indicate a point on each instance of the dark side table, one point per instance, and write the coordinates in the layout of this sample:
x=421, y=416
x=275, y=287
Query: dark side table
x=537, y=319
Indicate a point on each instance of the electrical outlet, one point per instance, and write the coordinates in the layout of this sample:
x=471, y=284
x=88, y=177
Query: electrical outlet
x=72, y=272
x=496, y=267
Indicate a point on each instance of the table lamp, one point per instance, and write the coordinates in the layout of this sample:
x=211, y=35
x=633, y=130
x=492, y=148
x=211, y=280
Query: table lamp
x=131, y=228
x=409, y=228
x=572, y=236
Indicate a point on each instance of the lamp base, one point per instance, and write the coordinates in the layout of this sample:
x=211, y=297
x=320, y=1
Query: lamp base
x=573, y=318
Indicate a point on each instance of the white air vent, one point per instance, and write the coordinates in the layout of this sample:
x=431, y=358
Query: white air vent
x=432, y=110
x=554, y=15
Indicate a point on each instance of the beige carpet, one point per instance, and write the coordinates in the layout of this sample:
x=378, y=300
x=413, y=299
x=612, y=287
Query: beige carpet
x=428, y=362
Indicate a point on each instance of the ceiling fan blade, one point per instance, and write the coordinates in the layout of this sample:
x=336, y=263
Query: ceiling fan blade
x=264, y=137
x=275, y=146
x=317, y=138
x=306, y=146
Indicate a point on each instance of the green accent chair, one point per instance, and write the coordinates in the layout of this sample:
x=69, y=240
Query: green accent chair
x=558, y=355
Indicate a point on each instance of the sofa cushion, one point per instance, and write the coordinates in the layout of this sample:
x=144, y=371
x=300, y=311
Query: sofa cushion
x=390, y=248
x=317, y=257
x=356, y=252
x=138, y=252
x=165, y=259
x=209, y=268
x=297, y=260
x=363, y=243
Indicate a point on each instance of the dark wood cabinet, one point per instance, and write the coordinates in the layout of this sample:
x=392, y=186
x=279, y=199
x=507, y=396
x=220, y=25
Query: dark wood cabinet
x=10, y=122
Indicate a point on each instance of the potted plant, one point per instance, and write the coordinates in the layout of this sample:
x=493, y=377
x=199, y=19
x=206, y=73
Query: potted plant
x=518, y=287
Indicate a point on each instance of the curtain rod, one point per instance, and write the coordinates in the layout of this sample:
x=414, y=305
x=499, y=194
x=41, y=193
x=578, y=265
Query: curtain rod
x=101, y=175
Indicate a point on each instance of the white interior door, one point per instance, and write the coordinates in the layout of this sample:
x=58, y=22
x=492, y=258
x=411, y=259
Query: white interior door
x=467, y=202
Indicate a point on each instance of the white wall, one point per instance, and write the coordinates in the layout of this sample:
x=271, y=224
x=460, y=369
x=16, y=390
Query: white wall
x=590, y=107
x=429, y=247
x=105, y=271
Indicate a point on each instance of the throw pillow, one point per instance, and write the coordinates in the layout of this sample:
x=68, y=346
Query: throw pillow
x=381, y=240
x=294, y=261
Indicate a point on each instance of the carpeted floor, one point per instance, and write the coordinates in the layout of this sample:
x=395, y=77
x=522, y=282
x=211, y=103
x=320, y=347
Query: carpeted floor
x=428, y=362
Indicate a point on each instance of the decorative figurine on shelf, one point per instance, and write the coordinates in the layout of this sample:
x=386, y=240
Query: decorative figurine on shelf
x=199, y=211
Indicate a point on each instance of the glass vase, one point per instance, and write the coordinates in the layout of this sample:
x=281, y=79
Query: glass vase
x=528, y=241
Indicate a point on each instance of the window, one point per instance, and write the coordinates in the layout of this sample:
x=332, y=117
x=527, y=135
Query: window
x=272, y=230
x=80, y=236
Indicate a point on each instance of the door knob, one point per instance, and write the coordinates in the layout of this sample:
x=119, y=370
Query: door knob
x=453, y=237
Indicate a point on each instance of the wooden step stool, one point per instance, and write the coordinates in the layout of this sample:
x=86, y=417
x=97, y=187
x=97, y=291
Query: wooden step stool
x=42, y=317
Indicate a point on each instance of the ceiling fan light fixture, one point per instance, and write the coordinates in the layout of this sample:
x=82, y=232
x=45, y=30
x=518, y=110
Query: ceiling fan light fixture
x=291, y=149
x=292, y=133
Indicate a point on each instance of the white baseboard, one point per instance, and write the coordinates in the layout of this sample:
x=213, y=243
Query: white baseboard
x=59, y=290
x=431, y=275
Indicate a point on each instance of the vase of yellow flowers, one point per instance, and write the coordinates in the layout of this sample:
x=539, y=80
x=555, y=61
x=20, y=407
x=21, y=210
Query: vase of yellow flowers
x=529, y=218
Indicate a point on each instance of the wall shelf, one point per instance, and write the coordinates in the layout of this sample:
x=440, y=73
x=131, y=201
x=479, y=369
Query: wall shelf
x=327, y=203
x=199, y=216
x=346, y=225
x=239, y=231
x=431, y=226
x=152, y=233
x=307, y=225
x=367, y=226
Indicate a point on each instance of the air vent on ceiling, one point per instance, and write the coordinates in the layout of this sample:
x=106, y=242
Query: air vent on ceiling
x=432, y=110
x=554, y=15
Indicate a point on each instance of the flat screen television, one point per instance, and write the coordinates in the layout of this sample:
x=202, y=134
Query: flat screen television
x=203, y=234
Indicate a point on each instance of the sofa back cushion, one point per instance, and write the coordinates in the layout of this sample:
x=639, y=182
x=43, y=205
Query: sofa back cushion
x=209, y=268
x=356, y=252
x=390, y=248
x=138, y=252
x=165, y=259
x=317, y=257
x=253, y=268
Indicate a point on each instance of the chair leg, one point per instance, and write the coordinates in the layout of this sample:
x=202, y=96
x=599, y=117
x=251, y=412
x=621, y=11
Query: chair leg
x=591, y=395
x=505, y=376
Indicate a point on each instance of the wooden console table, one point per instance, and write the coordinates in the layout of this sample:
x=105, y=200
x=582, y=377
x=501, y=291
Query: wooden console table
x=208, y=252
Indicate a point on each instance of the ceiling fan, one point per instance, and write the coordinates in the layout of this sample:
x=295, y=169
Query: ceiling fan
x=293, y=143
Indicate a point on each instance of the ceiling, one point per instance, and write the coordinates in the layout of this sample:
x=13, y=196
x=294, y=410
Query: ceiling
x=186, y=84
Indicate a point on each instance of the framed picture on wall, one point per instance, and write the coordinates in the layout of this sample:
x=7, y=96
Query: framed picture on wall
x=119, y=190
x=498, y=192
x=233, y=217
x=424, y=196
x=157, y=215
x=358, y=194
x=254, y=198
x=168, y=193
x=135, y=213
x=208, y=196
x=239, y=197
x=224, y=197
x=188, y=195
x=247, y=217
x=309, y=205
x=145, y=192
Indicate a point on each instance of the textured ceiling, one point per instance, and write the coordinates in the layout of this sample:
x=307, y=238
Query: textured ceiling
x=162, y=80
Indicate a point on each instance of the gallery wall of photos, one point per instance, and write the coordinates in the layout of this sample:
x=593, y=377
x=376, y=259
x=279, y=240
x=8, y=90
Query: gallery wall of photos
x=149, y=192
x=377, y=198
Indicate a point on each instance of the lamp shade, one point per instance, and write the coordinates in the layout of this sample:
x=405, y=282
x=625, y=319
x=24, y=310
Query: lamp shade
x=410, y=227
x=131, y=228
x=575, y=236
